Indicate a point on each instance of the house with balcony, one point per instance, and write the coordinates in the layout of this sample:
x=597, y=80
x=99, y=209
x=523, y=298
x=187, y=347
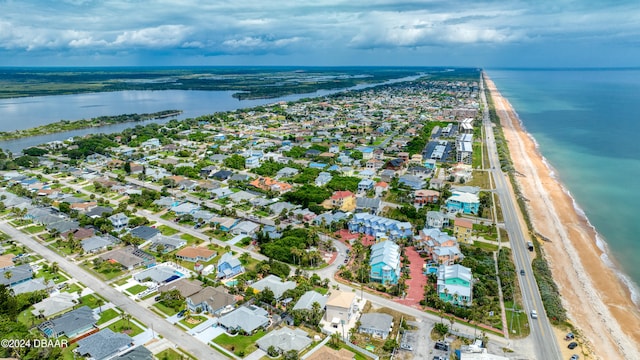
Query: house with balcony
x=323, y=178
x=228, y=266
x=365, y=185
x=385, y=263
x=424, y=197
x=455, y=284
x=440, y=246
x=463, y=202
x=119, y=221
x=436, y=219
x=343, y=200
x=374, y=225
x=463, y=230
x=252, y=162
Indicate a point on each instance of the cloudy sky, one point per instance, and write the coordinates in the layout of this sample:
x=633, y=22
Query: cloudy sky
x=482, y=33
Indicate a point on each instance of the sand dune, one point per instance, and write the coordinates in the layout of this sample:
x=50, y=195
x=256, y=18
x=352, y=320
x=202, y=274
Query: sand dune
x=597, y=301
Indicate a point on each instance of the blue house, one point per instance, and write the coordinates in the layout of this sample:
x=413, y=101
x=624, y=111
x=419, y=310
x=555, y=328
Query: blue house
x=365, y=185
x=252, y=162
x=374, y=225
x=323, y=178
x=463, y=202
x=385, y=263
x=228, y=266
x=412, y=181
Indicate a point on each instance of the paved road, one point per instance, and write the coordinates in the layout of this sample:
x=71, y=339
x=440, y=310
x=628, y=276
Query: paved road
x=379, y=301
x=160, y=326
x=546, y=345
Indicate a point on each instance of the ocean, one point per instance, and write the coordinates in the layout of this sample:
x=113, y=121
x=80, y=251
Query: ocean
x=587, y=126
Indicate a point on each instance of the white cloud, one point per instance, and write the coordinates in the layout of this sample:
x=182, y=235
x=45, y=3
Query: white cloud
x=155, y=37
x=186, y=27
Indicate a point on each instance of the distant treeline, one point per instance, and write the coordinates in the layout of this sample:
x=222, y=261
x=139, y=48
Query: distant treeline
x=250, y=83
x=67, y=125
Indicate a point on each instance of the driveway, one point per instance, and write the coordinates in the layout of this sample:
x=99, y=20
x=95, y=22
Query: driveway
x=418, y=280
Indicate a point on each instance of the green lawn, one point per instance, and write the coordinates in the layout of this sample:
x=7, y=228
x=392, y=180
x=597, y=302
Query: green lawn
x=136, y=289
x=165, y=309
x=167, y=231
x=485, y=246
x=57, y=277
x=106, y=270
x=90, y=300
x=168, y=216
x=107, y=315
x=72, y=289
x=197, y=318
x=517, y=321
x=171, y=354
x=121, y=326
x=27, y=318
x=122, y=281
x=239, y=344
x=190, y=238
x=34, y=229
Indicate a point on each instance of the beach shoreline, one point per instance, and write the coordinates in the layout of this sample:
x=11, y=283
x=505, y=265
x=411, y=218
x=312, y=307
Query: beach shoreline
x=598, y=301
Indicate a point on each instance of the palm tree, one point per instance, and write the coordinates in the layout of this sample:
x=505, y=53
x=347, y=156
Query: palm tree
x=100, y=302
x=297, y=254
x=8, y=274
x=127, y=318
x=54, y=268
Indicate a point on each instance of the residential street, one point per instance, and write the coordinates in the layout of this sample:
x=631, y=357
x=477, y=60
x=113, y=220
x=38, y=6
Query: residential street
x=147, y=317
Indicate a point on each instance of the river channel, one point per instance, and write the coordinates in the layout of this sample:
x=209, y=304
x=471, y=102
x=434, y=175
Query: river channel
x=29, y=112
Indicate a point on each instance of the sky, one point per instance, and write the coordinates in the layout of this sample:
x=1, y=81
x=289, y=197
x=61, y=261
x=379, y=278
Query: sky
x=482, y=33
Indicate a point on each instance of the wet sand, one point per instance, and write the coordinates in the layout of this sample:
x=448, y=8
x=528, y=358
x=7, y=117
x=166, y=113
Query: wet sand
x=598, y=303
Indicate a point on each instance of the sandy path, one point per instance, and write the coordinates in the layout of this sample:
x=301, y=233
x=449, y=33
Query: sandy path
x=598, y=303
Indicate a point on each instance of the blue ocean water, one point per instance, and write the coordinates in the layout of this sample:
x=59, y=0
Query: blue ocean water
x=587, y=125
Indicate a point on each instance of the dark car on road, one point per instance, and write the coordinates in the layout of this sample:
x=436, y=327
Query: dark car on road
x=521, y=271
x=572, y=345
x=442, y=346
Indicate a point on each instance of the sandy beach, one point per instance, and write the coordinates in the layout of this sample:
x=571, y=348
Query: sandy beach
x=597, y=301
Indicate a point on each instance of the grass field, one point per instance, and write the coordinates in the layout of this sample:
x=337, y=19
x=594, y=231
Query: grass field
x=167, y=231
x=517, y=321
x=171, y=354
x=121, y=326
x=34, y=229
x=239, y=344
x=165, y=309
x=107, y=315
x=90, y=300
x=190, y=238
x=196, y=319
x=136, y=289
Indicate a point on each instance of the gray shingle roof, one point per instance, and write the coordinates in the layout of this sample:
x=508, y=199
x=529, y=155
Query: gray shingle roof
x=103, y=344
x=306, y=301
x=285, y=339
x=376, y=321
x=246, y=318
x=18, y=273
x=69, y=323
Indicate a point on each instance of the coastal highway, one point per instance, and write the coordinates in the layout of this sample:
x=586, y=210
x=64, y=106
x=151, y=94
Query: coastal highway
x=545, y=341
x=160, y=326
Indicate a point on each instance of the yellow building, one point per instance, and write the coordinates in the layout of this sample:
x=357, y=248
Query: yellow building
x=462, y=230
